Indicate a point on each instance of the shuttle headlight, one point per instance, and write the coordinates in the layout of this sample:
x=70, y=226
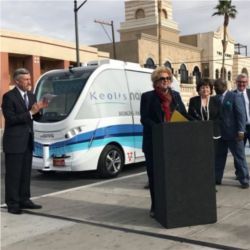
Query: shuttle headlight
x=73, y=132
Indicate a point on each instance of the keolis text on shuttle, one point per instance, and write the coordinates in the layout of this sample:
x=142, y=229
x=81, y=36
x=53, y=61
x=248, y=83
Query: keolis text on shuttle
x=115, y=96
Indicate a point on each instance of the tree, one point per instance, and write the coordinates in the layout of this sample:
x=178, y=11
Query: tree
x=226, y=9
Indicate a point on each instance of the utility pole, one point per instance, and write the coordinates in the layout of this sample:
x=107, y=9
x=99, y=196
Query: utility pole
x=111, y=24
x=159, y=31
x=76, y=30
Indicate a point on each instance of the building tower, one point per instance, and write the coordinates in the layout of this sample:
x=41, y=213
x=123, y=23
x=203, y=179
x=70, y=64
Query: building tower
x=142, y=17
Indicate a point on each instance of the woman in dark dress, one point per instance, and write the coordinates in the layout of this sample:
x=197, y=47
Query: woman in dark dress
x=156, y=107
x=205, y=107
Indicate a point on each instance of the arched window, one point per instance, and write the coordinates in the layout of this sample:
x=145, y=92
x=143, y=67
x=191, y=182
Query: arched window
x=169, y=65
x=217, y=74
x=229, y=76
x=164, y=14
x=150, y=64
x=197, y=74
x=139, y=14
x=244, y=71
x=184, y=74
x=223, y=73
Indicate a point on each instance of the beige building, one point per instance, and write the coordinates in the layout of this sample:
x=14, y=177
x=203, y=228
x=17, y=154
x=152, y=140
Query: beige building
x=190, y=57
x=38, y=54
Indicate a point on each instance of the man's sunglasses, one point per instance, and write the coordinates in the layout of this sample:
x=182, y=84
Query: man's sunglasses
x=241, y=81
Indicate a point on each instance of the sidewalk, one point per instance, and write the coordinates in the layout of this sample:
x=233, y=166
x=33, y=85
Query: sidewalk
x=114, y=214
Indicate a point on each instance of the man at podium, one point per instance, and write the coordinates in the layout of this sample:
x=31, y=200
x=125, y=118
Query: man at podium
x=157, y=106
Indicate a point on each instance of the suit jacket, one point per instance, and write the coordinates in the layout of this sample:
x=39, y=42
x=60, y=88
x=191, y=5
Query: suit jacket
x=152, y=113
x=248, y=94
x=194, y=110
x=18, y=121
x=232, y=116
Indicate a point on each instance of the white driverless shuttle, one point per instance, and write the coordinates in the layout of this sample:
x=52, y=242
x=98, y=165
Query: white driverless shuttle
x=93, y=118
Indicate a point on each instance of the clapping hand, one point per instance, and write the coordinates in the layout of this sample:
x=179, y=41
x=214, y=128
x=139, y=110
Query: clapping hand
x=36, y=107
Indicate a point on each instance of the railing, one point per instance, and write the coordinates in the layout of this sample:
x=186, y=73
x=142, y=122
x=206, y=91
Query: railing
x=187, y=91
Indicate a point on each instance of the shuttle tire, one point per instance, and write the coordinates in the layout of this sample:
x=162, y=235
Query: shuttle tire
x=111, y=161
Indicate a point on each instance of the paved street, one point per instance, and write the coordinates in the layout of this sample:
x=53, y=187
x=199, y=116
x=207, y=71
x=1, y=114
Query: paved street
x=52, y=182
x=114, y=214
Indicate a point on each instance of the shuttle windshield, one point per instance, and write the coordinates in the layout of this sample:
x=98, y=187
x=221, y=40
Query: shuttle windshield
x=61, y=89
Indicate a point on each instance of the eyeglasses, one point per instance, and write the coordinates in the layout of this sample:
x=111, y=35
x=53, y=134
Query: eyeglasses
x=168, y=78
x=241, y=81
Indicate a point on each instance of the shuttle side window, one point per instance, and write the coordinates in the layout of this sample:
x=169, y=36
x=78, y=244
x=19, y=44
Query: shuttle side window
x=107, y=96
x=138, y=83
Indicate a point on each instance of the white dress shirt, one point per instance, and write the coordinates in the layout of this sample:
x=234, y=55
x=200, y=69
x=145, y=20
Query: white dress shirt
x=244, y=93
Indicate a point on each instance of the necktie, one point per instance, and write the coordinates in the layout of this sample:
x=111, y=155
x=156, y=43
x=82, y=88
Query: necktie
x=26, y=100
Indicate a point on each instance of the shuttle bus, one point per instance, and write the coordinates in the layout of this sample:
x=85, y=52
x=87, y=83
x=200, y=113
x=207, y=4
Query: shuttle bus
x=93, y=118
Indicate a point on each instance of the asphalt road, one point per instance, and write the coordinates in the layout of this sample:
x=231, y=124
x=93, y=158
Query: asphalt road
x=52, y=182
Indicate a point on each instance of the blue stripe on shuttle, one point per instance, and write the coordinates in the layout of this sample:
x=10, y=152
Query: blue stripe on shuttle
x=127, y=135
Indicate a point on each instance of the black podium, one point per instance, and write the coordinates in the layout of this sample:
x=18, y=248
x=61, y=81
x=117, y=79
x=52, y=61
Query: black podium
x=184, y=174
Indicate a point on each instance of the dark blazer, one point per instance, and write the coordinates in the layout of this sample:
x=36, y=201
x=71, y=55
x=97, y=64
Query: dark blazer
x=248, y=94
x=152, y=113
x=18, y=121
x=232, y=115
x=194, y=110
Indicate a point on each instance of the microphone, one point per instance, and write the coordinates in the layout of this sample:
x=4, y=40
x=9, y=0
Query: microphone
x=196, y=114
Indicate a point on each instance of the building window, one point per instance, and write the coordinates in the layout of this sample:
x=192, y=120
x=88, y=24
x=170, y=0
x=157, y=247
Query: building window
x=164, y=14
x=205, y=70
x=217, y=74
x=169, y=65
x=223, y=73
x=184, y=74
x=150, y=64
x=229, y=76
x=139, y=14
x=244, y=71
x=197, y=74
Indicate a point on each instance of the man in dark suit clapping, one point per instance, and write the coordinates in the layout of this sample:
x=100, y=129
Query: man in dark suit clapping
x=232, y=125
x=19, y=108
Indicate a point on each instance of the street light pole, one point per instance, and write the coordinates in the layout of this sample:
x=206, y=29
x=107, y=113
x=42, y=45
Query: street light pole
x=113, y=39
x=113, y=33
x=76, y=30
x=159, y=5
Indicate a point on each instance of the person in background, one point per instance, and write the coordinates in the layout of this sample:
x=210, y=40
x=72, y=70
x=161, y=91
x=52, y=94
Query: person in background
x=157, y=107
x=19, y=108
x=232, y=126
x=205, y=107
x=242, y=88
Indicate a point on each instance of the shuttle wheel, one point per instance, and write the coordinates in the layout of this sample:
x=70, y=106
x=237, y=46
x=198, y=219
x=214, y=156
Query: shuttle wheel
x=110, y=162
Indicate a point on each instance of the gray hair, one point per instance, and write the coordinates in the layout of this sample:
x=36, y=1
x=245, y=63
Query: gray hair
x=20, y=71
x=242, y=75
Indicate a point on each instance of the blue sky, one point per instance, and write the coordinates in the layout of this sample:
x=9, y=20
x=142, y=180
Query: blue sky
x=55, y=18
